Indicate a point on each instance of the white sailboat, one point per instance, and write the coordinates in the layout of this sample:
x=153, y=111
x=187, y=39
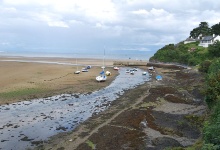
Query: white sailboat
x=102, y=77
x=77, y=71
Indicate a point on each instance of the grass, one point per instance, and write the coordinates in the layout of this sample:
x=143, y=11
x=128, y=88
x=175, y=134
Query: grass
x=159, y=101
x=20, y=93
x=91, y=144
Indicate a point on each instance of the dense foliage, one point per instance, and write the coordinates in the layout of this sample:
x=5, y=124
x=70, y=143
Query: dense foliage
x=215, y=29
x=208, y=60
x=214, y=49
x=188, y=54
x=213, y=83
x=203, y=29
x=212, y=127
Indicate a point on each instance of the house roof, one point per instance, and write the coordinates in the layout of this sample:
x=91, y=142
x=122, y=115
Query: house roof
x=208, y=38
x=190, y=39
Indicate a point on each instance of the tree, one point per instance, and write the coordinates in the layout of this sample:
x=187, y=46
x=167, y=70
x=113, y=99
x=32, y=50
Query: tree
x=204, y=66
x=195, y=33
x=202, y=29
x=216, y=29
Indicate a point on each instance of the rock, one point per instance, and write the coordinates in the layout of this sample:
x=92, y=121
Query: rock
x=163, y=142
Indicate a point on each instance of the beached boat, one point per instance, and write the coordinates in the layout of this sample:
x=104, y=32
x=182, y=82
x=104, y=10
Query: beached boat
x=144, y=73
x=135, y=69
x=116, y=68
x=84, y=70
x=102, y=77
x=89, y=67
x=158, y=77
x=108, y=73
x=132, y=72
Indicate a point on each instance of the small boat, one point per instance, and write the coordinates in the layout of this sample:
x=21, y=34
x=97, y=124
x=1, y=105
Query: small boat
x=116, y=68
x=135, y=69
x=132, y=72
x=158, y=77
x=144, y=73
x=77, y=72
x=84, y=70
x=89, y=67
x=108, y=73
x=102, y=77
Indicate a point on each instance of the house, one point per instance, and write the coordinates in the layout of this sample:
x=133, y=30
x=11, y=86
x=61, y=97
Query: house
x=190, y=39
x=207, y=40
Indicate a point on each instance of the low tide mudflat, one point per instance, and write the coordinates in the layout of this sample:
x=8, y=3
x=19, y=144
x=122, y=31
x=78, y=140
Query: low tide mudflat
x=22, y=79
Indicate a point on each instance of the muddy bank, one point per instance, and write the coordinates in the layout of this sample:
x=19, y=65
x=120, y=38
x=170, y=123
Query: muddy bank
x=156, y=115
x=163, y=65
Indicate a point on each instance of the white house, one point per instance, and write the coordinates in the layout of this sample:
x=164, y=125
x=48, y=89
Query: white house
x=207, y=40
x=190, y=39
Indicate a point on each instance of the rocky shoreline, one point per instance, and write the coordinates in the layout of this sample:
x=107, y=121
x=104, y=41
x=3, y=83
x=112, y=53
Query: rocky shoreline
x=156, y=115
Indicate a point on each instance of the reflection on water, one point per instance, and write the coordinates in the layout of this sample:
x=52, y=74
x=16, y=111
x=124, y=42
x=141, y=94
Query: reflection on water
x=25, y=122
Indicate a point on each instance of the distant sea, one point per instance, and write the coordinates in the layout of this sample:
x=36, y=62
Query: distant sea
x=121, y=54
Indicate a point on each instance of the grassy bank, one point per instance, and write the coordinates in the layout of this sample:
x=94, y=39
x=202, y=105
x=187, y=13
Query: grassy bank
x=20, y=93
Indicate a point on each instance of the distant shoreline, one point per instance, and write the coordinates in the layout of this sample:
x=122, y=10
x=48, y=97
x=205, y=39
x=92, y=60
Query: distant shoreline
x=118, y=55
x=71, y=61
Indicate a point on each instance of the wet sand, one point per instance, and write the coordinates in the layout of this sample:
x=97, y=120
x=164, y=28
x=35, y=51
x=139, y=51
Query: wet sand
x=24, y=78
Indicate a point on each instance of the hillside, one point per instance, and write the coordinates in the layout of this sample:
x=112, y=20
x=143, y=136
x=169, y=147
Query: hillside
x=187, y=54
x=208, y=62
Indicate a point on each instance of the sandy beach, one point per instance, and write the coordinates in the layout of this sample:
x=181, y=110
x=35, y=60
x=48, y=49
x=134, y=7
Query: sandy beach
x=24, y=78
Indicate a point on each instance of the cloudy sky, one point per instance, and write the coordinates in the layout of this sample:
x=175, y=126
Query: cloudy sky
x=88, y=25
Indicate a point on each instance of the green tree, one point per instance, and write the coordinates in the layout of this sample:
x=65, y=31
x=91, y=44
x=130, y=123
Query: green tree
x=213, y=83
x=216, y=29
x=202, y=29
x=204, y=66
x=195, y=33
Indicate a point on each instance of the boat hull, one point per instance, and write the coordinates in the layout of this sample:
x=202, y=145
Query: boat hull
x=101, y=78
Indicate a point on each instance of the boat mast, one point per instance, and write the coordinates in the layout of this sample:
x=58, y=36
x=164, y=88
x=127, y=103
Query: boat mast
x=76, y=65
x=104, y=60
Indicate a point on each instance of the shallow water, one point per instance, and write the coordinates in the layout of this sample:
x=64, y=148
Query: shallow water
x=28, y=121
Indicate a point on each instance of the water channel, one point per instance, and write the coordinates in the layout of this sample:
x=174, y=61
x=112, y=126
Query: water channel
x=25, y=122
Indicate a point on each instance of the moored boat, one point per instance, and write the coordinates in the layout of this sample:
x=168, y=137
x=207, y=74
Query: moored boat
x=102, y=77
x=116, y=68
x=158, y=77
x=144, y=73
x=108, y=73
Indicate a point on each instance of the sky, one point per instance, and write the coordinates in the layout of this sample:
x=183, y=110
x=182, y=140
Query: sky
x=75, y=26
